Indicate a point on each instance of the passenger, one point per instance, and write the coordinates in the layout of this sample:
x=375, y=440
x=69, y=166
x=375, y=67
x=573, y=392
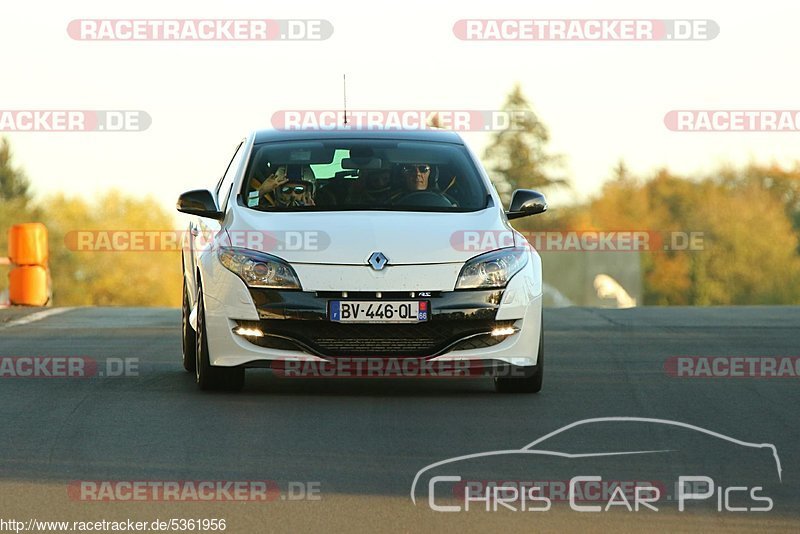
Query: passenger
x=296, y=192
x=279, y=190
x=263, y=191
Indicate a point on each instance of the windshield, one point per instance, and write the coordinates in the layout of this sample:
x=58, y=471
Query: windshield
x=362, y=175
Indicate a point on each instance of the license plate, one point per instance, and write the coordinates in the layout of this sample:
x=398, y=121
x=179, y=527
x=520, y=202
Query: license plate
x=406, y=311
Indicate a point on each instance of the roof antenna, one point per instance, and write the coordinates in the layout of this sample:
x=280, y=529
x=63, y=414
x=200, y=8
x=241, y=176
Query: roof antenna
x=344, y=89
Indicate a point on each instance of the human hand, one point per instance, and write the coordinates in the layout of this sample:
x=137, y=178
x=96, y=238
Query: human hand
x=274, y=181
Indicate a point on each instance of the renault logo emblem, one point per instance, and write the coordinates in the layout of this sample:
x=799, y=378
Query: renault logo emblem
x=378, y=261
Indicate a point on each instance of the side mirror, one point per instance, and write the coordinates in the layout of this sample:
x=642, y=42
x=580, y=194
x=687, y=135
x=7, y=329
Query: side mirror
x=526, y=202
x=199, y=202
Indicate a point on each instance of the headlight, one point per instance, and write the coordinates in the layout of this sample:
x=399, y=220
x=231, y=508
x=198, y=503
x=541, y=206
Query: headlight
x=258, y=269
x=493, y=269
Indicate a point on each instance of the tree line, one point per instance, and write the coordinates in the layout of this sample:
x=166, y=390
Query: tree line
x=749, y=217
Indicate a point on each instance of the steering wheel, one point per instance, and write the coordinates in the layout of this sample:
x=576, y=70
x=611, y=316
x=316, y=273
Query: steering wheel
x=426, y=199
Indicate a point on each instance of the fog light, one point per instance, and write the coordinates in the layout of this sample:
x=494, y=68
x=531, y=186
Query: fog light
x=248, y=332
x=504, y=331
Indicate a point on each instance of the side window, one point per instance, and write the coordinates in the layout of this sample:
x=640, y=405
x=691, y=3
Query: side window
x=224, y=185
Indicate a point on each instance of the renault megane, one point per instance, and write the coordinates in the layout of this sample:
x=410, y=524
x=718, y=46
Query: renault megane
x=319, y=246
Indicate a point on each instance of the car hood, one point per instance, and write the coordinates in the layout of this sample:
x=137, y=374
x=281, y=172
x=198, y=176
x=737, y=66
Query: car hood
x=351, y=237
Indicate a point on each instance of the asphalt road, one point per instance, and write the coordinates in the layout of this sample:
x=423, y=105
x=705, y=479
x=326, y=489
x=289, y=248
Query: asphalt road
x=360, y=442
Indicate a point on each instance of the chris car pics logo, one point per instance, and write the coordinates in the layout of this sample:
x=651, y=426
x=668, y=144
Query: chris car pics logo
x=448, y=490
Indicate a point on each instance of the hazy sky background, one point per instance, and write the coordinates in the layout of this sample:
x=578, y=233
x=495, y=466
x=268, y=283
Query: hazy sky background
x=601, y=100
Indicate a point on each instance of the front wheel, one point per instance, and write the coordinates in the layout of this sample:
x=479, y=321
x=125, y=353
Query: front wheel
x=211, y=377
x=528, y=384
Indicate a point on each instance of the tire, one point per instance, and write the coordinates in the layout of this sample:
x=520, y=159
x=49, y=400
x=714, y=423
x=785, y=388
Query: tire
x=210, y=377
x=528, y=384
x=188, y=335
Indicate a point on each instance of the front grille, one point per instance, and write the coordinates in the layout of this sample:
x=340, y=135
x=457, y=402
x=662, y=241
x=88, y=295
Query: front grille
x=333, y=339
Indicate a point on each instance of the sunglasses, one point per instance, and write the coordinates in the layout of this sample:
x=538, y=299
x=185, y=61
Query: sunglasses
x=409, y=169
x=299, y=189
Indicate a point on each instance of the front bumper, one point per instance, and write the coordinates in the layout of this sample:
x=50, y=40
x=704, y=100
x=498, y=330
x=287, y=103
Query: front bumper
x=298, y=321
x=298, y=328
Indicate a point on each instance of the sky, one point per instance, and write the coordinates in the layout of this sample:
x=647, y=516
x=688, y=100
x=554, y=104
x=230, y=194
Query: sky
x=602, y=101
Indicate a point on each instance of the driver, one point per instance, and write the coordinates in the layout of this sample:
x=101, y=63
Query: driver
x=415, y=176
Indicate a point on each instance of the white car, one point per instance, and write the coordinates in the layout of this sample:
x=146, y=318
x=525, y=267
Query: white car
x=322, y=247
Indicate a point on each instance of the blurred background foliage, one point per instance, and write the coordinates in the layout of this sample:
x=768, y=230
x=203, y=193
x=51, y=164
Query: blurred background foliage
x=106, y=278
x=100, y=278
x=749, y=217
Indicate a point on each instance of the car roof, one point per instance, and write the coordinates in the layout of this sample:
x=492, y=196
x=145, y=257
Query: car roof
x=441, y=136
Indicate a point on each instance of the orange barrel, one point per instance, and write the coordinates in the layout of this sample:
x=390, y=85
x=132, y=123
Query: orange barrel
x=27, y=244
x=27, y=285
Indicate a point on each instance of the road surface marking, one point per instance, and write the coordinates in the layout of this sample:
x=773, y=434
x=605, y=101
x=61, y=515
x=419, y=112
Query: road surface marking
x=38, y=316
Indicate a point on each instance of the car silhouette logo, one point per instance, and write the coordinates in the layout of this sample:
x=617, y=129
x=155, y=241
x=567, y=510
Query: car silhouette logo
x=533, y=449
x=378, y=261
